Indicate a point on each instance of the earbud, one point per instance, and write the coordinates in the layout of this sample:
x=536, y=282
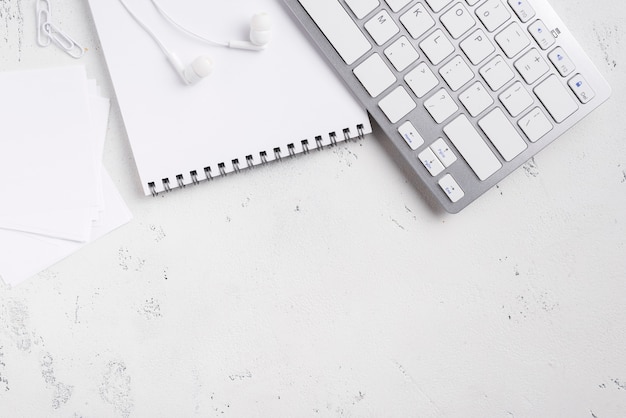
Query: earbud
x=261, y=29
x=200, y=68
x=260, y=34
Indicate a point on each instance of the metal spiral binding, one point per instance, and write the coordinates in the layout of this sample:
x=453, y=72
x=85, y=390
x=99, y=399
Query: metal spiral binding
x=359, y=129
x=278, y=155
x=235, y=163
x=194, y=177
x=207, y=173
x=166, y=185
x=333, y=139
x=318, y=143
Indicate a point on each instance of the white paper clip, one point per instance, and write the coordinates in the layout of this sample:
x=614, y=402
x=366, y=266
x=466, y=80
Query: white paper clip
x=48, y=32
x=64, y=41
x=44, y=17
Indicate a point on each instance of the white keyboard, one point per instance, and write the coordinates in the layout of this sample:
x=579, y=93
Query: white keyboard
x=467, y=91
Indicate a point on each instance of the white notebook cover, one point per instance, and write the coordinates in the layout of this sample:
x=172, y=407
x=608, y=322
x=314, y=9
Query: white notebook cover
x=253, y=103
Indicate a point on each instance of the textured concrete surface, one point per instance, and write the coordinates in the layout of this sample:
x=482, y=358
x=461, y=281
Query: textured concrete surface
x=325, y=286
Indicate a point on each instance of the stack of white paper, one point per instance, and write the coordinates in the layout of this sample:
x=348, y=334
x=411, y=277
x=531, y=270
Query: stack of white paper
x=56, y=196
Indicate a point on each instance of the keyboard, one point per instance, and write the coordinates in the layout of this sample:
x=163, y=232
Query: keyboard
x=466, y=91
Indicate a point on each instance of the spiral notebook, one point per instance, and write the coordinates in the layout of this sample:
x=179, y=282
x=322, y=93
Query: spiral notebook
x=256, y=107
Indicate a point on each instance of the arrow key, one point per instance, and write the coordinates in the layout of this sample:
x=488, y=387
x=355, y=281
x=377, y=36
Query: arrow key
x=410, y=135
x=451, y=188
x=443, y=152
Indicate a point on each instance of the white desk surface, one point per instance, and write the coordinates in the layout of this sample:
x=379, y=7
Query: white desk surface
x=326, y=286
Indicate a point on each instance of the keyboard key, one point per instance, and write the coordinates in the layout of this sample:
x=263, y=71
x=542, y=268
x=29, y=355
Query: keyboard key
x=581, y=88
x=397, y=5
x=493, y=14
x=374, y=74
x=535, y=125
x=339, y=28
x=381, y=27
x=542, y=34
x=476, y=99
x=441, y=106
x=401, y=53
x=456, y=73
x=451, y=188
x=457, y=20
x=438, y=5
x=516, y=99
x=410, y=135
x=522, y=9
x=431, y=162
x=532, y=66
x=397, y=104
x=558, y=102
x=443, y=152
x=471, y=2
x=561, y=62
x=497, y=73
x=437, y=47
x=512, y=40
x=362, y=8
x=477, y=47
x=502, y=134
x=417, y=20
x=472, y=147
x=421, y=80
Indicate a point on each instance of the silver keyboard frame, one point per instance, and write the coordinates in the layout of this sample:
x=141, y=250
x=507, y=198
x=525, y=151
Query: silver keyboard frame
x=421, y=119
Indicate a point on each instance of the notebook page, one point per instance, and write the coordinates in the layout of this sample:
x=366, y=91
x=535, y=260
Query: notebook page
x=47, y=155
x=253, y=102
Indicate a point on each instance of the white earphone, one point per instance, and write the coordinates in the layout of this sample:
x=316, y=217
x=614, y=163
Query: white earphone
x=202, y=66
x=260, y=34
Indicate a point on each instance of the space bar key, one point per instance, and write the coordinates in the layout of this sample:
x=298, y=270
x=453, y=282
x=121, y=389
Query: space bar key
x=338, y=27
x=472, y=147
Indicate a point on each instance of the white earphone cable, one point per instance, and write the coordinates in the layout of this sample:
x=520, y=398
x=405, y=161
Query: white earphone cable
x=185, y=30
x=146, y=28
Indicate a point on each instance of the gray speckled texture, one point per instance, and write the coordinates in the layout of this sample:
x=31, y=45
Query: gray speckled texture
x=326, y=287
